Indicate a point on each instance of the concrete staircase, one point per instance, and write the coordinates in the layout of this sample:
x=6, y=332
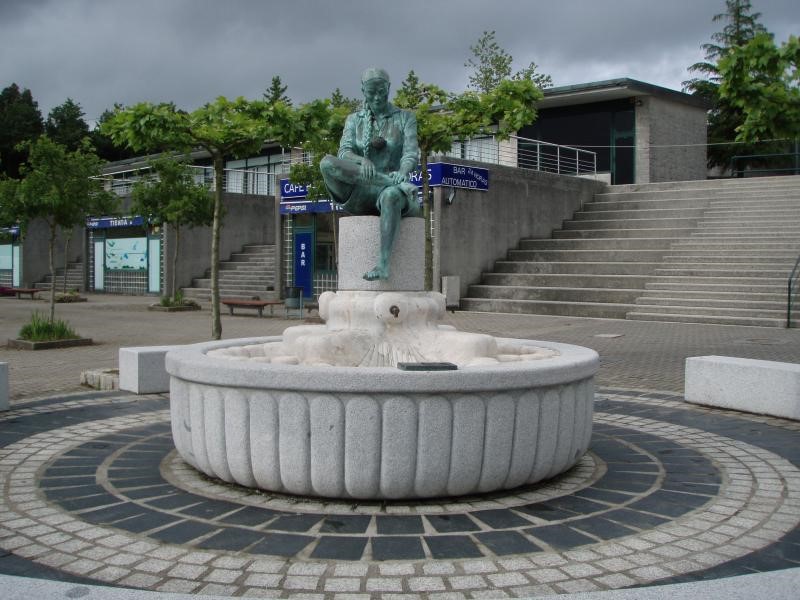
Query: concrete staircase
x=74, y=275
x=251, y=272
x=699, y=252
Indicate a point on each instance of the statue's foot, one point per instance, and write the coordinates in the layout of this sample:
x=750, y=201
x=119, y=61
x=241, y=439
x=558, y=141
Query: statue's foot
x=377, y=273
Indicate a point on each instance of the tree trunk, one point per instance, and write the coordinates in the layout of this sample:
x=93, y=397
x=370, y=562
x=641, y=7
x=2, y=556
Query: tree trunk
x=216, y=322
x=50, y=253
x=426, y=211
x=66, y=252
x=175, y=262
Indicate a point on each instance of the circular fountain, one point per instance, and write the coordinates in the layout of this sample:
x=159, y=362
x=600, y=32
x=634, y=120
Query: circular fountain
x=359, y=408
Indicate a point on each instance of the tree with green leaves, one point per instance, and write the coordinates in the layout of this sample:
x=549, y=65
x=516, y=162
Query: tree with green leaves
x=225, y=129
x=103, y=144
x=328, y=123
x=443, y=118
x=169, y=195
x=491, y=64
x=63, y=188
x=65, y=125
x=741, y=26
x=763, y=81
x=276, y=92
x=20, y=122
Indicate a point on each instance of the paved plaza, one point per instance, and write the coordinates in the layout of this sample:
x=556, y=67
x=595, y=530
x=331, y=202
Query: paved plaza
x=94, y=493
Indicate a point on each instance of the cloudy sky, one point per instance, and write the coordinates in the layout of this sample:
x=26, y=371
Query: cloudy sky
x=99, y=52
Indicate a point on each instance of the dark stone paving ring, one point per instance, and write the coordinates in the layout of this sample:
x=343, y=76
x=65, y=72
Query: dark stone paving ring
x=668, y=492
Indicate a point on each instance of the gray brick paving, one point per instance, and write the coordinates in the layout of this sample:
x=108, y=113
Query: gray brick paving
x=647, y=355
x=758, y=504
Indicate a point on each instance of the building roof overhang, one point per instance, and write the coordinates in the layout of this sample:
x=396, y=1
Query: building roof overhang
x=613, y=89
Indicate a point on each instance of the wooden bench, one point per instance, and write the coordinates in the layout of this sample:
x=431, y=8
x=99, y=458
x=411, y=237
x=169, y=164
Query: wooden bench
x=30, y=291
x=259, y=305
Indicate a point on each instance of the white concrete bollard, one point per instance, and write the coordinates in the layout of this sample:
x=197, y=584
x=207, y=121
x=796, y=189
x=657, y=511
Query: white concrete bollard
x=756, y=386
x=142, y=371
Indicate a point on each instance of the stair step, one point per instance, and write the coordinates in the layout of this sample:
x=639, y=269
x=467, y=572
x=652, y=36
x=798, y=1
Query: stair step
x=693, y=271
x=706, y=319
x=621, y=233
x=598, y=243
x=641, y=213
x=579, y=309
x=571, y=280
x=593, y=268
x=587, y=255
x=712, y=303
x=575, y=294
x=625, y=224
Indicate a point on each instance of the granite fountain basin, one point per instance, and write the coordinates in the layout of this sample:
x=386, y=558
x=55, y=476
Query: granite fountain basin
x=380, y=432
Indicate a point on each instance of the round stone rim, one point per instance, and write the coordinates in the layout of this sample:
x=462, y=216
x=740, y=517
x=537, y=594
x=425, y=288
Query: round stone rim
x=191, y=363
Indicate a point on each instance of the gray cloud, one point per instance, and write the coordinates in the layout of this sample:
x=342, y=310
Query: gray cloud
x=190, y=51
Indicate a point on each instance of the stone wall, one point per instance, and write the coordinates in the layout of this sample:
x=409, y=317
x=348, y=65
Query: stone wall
x=248, y=219
x=479, y=228
x=670, y=140
x=35, y=262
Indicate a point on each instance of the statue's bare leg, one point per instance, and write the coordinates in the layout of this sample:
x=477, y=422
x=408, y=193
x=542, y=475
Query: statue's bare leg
x=391, y=202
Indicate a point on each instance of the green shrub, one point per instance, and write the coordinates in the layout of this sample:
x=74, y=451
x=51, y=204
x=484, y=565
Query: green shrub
x=40, y=329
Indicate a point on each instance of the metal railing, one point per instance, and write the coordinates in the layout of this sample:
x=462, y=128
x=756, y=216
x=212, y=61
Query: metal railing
x=791, y=292
x=755, y=165
x=235, y=181
x=525, y=153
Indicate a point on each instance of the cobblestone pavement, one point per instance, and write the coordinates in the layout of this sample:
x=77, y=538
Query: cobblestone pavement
x=633, y=354
x=93, y=491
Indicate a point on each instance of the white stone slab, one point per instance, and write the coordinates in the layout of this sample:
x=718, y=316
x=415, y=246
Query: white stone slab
x=757, y=386
x=4, y=402
x=142, y=371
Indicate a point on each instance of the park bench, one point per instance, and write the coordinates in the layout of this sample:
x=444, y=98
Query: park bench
x=29, y=291
x=259, y=305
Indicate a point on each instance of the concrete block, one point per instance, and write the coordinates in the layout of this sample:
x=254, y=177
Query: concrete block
x=756, y=386
x=4, y=395
x=142, y=371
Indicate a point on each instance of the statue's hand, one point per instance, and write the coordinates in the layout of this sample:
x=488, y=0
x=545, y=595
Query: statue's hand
x=398, y=177
x=367, y=169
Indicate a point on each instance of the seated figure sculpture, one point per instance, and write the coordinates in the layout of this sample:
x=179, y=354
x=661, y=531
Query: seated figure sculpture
x=370, y=174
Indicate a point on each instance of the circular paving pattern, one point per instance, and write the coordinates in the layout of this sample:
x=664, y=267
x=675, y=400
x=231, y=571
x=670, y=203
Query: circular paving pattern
x=93, y=488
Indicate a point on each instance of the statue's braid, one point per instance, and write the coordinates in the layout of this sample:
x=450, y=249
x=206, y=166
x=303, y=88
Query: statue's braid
x=368, y=133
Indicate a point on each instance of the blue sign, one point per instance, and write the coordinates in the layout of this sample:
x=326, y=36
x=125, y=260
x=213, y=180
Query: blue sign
x=459, y=176
x=308, y=206
x=108, y=222
x=292, y=190
x=304, y=262
x=13, y=230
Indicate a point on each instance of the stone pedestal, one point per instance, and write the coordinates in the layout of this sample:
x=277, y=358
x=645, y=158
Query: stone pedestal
x=359, y=248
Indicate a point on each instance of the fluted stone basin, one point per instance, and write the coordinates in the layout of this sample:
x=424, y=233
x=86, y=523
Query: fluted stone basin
x=381, y=432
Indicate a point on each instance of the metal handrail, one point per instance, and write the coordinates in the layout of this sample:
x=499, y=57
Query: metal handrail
x=526, y=153
x=793, y=279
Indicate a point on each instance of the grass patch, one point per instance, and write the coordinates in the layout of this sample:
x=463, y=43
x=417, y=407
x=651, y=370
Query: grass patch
x=40, y=329
x=176, y=301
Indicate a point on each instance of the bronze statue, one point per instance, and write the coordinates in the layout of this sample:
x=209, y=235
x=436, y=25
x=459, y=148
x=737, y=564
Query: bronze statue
x=370, y=174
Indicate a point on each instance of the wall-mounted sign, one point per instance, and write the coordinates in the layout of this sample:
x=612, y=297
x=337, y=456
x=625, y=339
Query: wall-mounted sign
x=304, y=262
x=108, y=222
x=126, y=254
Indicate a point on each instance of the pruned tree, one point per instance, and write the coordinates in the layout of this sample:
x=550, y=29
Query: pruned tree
x=169, y=195
x=443, y=118
x=62, y=188
x=225, y=129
